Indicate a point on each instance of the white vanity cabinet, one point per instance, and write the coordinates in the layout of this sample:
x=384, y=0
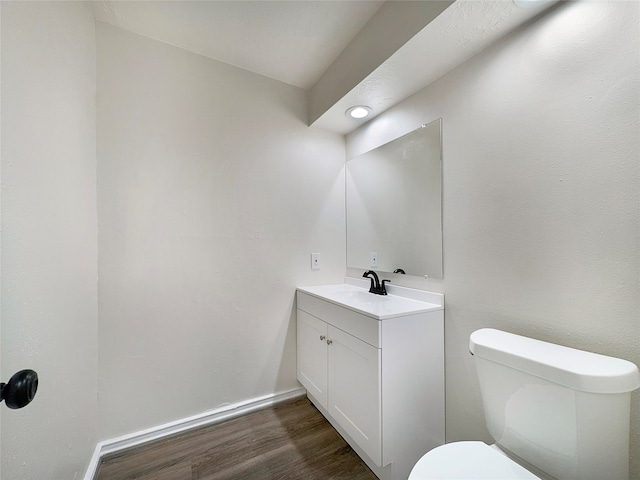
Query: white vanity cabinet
x=312, y=354
x=342, y=373
x=380, y=382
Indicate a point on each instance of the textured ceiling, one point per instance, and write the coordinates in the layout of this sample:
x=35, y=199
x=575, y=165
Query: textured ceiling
x=290, y=41
x=457, y=34
x=297, y=41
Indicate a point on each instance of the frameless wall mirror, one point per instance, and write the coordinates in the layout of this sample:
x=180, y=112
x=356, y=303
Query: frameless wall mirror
x=394, y=205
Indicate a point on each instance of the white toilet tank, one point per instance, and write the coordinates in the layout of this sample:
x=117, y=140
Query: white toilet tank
x=562, y=410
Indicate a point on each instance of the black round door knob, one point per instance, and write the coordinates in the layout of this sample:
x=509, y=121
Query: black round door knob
x=20, y=389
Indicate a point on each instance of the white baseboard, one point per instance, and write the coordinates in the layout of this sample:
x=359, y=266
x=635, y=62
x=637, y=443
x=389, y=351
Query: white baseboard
x=211, y=417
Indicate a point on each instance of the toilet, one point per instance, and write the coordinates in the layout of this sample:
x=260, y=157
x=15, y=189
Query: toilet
x=554, y=412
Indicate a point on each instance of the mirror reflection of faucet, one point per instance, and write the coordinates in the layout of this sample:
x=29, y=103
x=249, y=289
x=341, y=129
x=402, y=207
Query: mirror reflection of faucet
x=399, y=270
x=376, y=287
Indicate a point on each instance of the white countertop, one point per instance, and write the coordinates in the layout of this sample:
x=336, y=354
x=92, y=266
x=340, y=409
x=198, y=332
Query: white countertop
x=399, y=302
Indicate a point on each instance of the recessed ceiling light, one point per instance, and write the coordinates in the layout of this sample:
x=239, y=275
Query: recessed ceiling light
x=359, y=111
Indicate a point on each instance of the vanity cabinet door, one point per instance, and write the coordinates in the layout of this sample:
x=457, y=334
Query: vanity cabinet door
x=312, y=356
x=355, y=390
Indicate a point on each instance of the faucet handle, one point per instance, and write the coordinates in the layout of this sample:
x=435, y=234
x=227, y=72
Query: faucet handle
x=383, y=290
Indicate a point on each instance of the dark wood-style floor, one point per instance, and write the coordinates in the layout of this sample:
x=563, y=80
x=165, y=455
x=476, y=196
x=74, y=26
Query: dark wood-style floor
x=289, y=441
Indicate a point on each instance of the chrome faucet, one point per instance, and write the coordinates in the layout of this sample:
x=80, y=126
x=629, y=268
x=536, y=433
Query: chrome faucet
x=375, y=283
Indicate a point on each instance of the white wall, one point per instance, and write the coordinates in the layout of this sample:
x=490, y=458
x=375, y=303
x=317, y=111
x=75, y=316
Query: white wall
x=0, y=229
x=212, y=193
x=541, y=192
x=49, y=237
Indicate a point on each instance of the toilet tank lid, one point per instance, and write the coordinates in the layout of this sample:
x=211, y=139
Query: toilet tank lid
x=576, y=369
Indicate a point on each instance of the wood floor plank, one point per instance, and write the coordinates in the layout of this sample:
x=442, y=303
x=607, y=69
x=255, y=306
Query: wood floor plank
x=286, y=442
x=284, y=427
x=173, y=470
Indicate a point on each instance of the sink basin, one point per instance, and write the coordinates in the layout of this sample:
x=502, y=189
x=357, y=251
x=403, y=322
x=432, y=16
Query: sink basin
x=359, y=297
x=360, y=300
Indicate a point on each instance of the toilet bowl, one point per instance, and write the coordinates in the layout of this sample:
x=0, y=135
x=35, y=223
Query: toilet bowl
x=563, y=413
x=468, y=460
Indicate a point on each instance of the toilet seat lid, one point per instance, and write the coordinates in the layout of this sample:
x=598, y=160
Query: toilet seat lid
x=468, y=460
